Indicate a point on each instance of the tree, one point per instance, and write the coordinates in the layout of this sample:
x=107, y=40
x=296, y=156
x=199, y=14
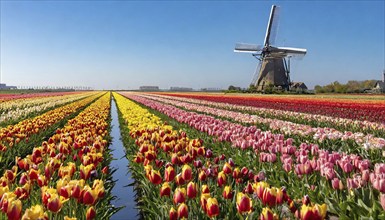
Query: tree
x=231, y=87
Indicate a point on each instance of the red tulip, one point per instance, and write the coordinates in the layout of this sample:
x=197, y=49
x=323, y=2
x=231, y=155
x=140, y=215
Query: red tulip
x=267, y=214
x=89, y=196
x=105, y=170
x=259, y=188
x=91, y=213
x=191, y=190
x=182, y=211
x=316, y=212
x=203, y=201
x=244, y=203
x=55, y=203
x=221, y=180
x=155, y=177
x=202, y=175
x=227, y=193
x=169, y=174
x=179, y=195
x=236, y=173
x=179, y=180
x=205, y=189
x=227, y=168
x=186, y=172
x=14, y=209
x=212, y=207
x=165, y=190
x=173, y=214
x=248, y=189
x=33, y=174
x=272, y=196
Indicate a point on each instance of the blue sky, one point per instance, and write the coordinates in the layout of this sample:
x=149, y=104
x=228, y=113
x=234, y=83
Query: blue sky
x=127, y=44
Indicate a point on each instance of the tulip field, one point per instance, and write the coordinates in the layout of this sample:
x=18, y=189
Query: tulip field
x=193, y=156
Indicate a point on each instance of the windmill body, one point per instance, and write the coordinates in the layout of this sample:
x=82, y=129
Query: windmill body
x=274, y=62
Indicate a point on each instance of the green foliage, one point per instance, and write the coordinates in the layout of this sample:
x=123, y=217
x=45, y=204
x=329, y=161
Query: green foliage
x=351, y=86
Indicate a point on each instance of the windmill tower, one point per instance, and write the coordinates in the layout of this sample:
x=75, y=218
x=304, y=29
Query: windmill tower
x=274, y=62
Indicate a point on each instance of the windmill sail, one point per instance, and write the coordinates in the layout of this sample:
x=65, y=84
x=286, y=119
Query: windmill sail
x=247, y=48
x=272, y=26
x=256, y=73
x=288, y=50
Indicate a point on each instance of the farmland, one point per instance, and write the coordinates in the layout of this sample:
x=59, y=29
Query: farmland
x=193, y=155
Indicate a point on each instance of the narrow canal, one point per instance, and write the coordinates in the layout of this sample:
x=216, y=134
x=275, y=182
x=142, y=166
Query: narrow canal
x=125, y=194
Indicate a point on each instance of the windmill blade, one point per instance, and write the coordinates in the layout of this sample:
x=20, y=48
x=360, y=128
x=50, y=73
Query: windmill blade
x=272, y=26
x=256, y=73
x=288, y=50
x=247, y=48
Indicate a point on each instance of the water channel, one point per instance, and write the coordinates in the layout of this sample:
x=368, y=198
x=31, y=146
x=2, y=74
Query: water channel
x=125, y=194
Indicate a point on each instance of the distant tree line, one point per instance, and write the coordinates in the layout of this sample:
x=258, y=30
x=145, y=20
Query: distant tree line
x=351, y=86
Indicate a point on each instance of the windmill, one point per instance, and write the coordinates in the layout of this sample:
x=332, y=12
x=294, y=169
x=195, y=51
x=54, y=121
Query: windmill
x=274, y=62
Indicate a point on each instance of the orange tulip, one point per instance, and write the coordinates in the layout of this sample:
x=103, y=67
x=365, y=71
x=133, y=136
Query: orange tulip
x=244, y=203
x=212, y=207
x=182, y=211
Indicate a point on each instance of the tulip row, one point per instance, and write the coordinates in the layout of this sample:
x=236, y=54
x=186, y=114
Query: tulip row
x=373, y=111
x=314, y=120
x=12, y=104
x=64, y=177
x=18, y=139
x=306, y=161
x=286, y=127
x=9, y=97
x=11, y=112
x=196, y=183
